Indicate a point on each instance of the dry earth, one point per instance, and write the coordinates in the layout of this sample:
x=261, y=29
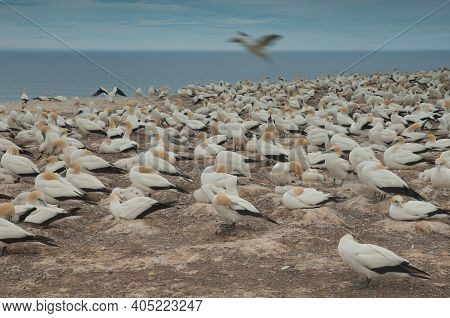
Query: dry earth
x=177, y=253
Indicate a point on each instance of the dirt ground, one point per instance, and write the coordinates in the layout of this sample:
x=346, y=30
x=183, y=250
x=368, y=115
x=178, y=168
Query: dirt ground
x=177, y=253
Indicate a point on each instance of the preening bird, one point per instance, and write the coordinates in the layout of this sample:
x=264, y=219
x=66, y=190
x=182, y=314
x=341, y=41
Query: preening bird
x=57, y=189
x=18, y=165
x=37, y=211
x=374, y=261
x=414, y=210
x=148, y=180
x=235, y=209
x=256, y=46
x=307, y=198
x=134, y=208
x=84, y=181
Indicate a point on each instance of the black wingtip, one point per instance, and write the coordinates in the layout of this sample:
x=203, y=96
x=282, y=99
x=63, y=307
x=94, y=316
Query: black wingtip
x=44, y=240
x=270, y=220
x=415, y=272
x=181, y=190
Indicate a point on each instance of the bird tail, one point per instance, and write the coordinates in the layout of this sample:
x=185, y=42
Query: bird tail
x=178, y=189
x=74, y=210
x=5, y=197
x=269, y=219
x=415, y=195
x=337, y=199
x=249, y=160
x=439, y=212
x=26, y=152
x=186, y=177
x=42, y=239
x=415, y=272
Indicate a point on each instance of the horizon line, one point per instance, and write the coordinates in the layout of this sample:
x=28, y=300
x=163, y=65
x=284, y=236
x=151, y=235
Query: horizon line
x=219, y=50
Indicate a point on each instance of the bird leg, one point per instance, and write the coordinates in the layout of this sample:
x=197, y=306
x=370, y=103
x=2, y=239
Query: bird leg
x=227, y=227
x=3, y=250
x=362, y=284
x=377, y=197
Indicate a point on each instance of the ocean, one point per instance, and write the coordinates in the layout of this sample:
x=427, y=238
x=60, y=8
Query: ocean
x=66, y=73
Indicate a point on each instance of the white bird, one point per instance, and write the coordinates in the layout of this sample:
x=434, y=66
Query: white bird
x=412, y=135
x=281, y=175
x=92, y=163
x=37, y=211
x=24, y=97
x=18, y=165
x=11, y=233
x=256, y=46
x=88, y=126
x=307, y=198
x=220, y=178
x=299, y=153
x=440, y=177
x=205, y=150
x=375, y=176
x=128, y=193
x=147, y=180
x=269, y=149
x=135, y=208
x=159, y=160
x=441, y=144
x=84, y=181
x=374, y=261
x=55, y=165
x=235, y=209
x=414, y=210
x=360, y=154
x=336, y=166
x=57, y=189
x=411, y=146
x=237, y=163
x=396, y=157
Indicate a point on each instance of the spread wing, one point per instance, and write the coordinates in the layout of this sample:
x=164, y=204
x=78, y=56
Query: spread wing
x=119, y=92
x=100, y=91
x=268, y=39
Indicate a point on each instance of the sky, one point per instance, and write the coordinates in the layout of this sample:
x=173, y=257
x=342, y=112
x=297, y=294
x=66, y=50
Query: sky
x=331, y=25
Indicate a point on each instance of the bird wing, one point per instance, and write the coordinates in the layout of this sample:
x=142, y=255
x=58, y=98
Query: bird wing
x=86, y=181
x=57, y=188
x=154, y=180
x=419, y=208
x=119, y=92
x=242, y=33
x=268, y=39
x=23, y=165
x=240, y=205
x=386, y=178
x=100, y=91
x=43, y=214
x=312, y=196
x=93, y=162
x=403, y=156
x=135, y=206
x=9, y=230
x=373, y=256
